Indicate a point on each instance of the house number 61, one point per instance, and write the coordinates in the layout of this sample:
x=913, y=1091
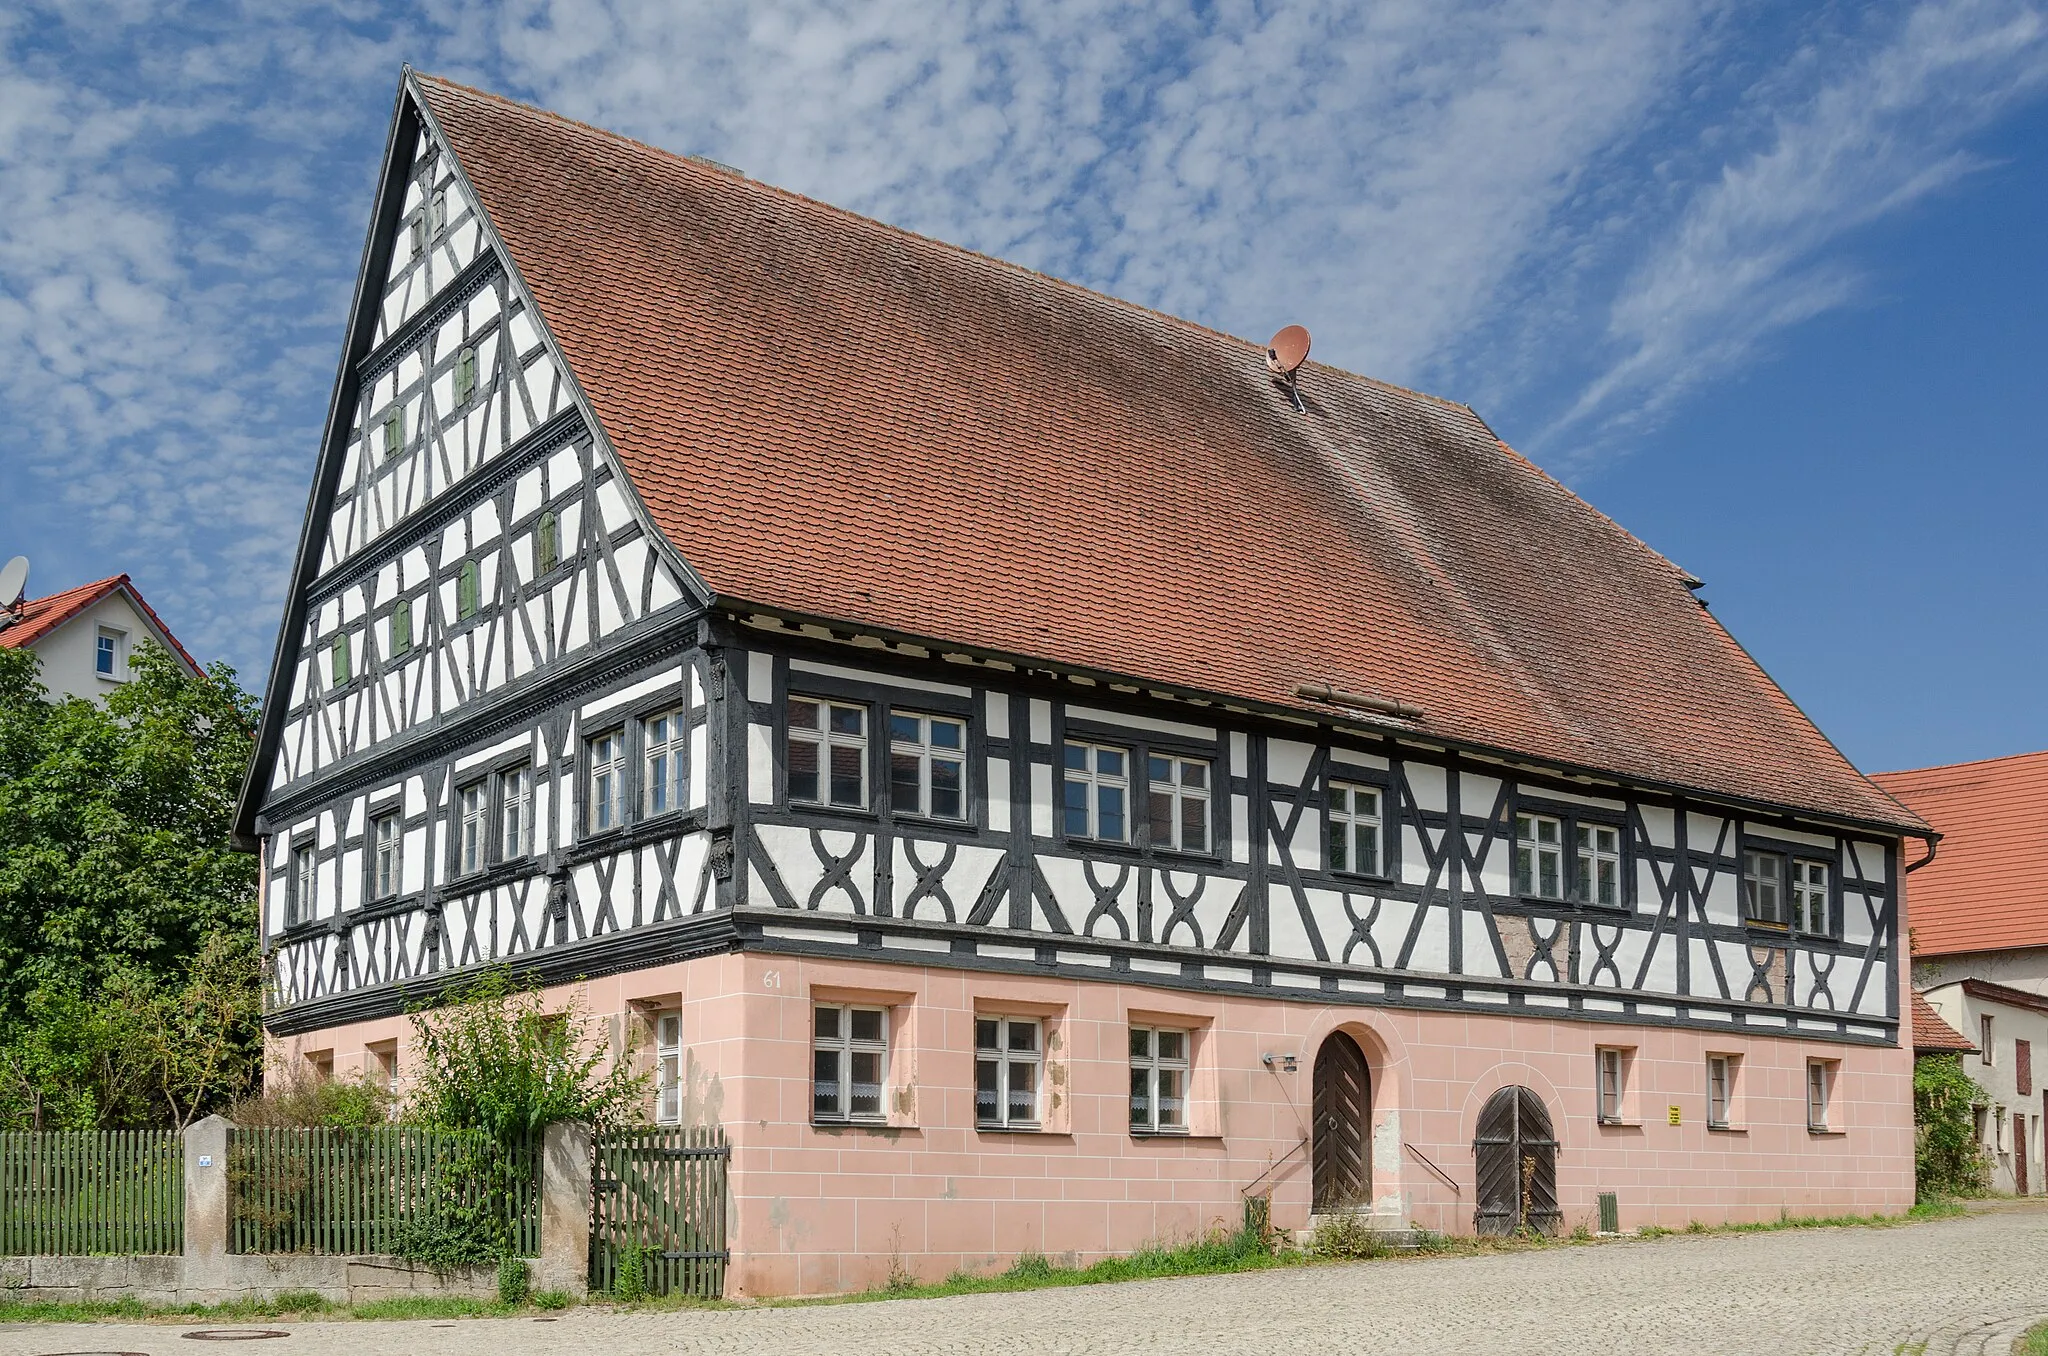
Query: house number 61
x=771, y=979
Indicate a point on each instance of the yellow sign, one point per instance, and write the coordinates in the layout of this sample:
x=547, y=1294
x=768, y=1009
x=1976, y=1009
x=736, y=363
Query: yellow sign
x=1674, y=1115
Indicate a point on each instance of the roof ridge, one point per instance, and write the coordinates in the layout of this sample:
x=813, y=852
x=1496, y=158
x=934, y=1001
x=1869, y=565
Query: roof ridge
x=1966, y=762
x=890, y=228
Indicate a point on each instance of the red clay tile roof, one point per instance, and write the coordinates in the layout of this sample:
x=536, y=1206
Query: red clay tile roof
x=1987, y=887
x=1932, y=1035
x=833, y=417
x=38, y=617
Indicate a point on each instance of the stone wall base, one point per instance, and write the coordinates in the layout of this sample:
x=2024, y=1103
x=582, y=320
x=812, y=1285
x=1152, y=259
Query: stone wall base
x=220, y=1280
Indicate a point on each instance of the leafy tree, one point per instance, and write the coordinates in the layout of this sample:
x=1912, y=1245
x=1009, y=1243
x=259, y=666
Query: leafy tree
x=129, y=976
x=1948, y=1160
x=493, y=1059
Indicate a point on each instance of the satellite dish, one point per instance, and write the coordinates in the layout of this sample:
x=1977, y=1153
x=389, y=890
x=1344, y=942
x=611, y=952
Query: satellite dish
x=13, y=581
x=1287, y=351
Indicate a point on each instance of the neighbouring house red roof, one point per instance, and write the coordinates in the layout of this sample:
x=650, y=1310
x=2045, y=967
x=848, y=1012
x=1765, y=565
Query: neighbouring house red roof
x=832, y=417
x=1987, y=887
x=1932, y=1035
x=38, y=617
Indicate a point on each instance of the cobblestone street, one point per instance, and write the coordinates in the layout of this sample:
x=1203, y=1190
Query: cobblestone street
x=1965, y=1284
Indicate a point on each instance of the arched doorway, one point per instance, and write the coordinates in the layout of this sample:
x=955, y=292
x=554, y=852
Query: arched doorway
x=1343, y=1104
x=1515, y=1154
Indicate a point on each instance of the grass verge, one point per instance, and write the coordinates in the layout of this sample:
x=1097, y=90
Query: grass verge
x=301, y=1305
x=2034, y=1343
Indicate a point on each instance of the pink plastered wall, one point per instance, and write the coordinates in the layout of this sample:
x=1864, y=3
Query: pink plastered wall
x=819, y=1209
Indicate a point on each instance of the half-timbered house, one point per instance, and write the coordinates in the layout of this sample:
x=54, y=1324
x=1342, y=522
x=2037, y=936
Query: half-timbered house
x=1032, y=778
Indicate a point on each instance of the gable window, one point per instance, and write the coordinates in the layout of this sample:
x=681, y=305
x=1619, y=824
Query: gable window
x=547, y=548
x=337, y=656
x=394, y=431
x=106, y=653
x=849, y=1062
x=606, y=807
x=416, y=233
x=1810, y=896
x=1006, y=1058
x=1598, y=878
x=1820, y=1087
x=401, y=627
x=828, y=753
x=1763, y=887
x=465, y=375
x=468, y=590
x=301, y=889
x=1159, y=1080
x=1355, y=829
x=1720, y=1090
x=473, y=811
x=386, y=857
x=1613, y=1070
x=668, y=1068
x=1177, y=798
x=1539, y=856
x=927, y=766
x=1097, y=788
x=437, y=213
x=662, y=743
x=1984, y=1040
x=515, y=814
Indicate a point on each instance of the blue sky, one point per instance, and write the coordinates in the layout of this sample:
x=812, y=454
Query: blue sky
x=1765, y=282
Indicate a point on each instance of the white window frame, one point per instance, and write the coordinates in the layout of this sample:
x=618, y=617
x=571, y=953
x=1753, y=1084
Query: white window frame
x=111, y=644
x=1611, y=1082
x=1006, y=1062
x=1721, y=1073
x=1820, y=1094
x=386, y=1055
x=1152, y=1072
x=1757, y=883
x=515, y=813
x=1806, y=895
x=843, y=1045
x=664, y=762
x=472, y=828
x=1347, y=821
x=1589, y=856
x=1984, y=1039
x=921, y=747
x=303, y=886
x=387, y=855
x=1174, y=790
x=604, y=781
x=1091, y=776
x=1531, y=849
x=824, y=740
x=668, y=1067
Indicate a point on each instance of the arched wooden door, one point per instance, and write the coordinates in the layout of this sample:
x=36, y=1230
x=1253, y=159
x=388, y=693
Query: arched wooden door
x=1343, y=1104
x=1515, y=1154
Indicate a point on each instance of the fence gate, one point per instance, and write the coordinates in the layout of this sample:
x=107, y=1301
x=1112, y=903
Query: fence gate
x=658, y=1203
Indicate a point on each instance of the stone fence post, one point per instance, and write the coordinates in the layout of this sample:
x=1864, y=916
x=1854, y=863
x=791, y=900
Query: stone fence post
x=565, y=1209
x=206, y=1201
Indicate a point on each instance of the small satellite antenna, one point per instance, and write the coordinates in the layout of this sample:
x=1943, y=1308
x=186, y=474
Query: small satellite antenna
x=13, y=582
x=1285, y=353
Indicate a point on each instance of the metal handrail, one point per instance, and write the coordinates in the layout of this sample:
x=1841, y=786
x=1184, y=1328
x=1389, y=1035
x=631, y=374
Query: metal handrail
x=1273, y=1167
x=1448, y=1181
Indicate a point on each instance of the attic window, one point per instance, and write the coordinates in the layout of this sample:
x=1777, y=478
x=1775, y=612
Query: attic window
x=547, y=551
x=465, y=375
x=401, y=627
x=468, y=590
x=417, y=229
x=437, y=213
x=338, y=665
x=394, y=431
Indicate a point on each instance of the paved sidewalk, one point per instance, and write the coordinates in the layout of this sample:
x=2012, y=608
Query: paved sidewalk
x=1959, y=1285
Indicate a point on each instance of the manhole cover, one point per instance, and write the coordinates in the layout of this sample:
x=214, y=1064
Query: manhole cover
x=233, y=1334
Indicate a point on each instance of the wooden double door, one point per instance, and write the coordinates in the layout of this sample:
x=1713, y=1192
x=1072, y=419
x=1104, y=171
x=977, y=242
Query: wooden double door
x=1514, y=1157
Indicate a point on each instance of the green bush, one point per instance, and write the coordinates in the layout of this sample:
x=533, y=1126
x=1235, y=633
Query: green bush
x=551, y=1299
x=1948, y=1160
x=629, y=1285
x=1346, y=1235
x=514, y=1284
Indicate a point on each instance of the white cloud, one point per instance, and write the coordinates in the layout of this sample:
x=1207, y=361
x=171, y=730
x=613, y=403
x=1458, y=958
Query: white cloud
x=1568, y=211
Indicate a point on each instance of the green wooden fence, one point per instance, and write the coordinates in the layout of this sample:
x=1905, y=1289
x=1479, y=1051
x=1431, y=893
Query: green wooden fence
x=91, y=1192
x=377, y=1190
x=659, y=1195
